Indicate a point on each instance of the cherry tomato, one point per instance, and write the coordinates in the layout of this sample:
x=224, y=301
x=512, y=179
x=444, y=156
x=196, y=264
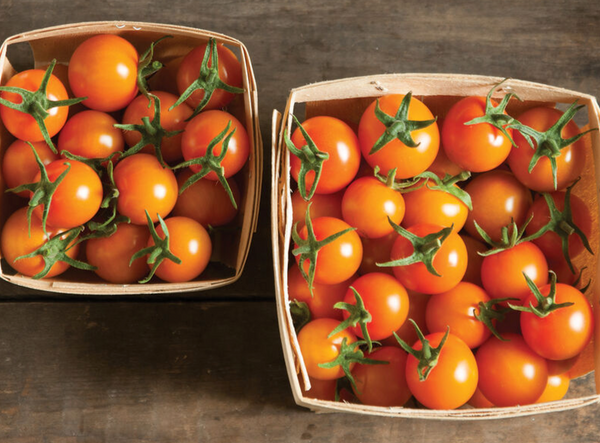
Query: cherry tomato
x=474, y=259
x=144, y=185
x=322, y=205
x=111, y=255
x=442, y=165
x=556, y=388
x=19, y=166
x=382, y=384
x=335, y=138
x=452, y=382
x=91, y=134
x=24, y=126
x=417, y=305
x=476, y=148
x=317, y=347
x=479, y=401
x=395, y=154
x=510, y=373
x=377, y=250
x=569, y=164
x=171, y=120
x=104, y=69
x=17, y=241
x=189, y=241
x=498, y=200
x=203, y=128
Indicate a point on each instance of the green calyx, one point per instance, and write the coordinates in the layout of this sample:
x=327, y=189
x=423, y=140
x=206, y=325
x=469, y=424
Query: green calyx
x=158, y=252
x=358, y=316
x=210, y=162
x=55, y=250
x=488, y=312
x=300, y=313
x=398, y=126
x=424, y=248
x=309, y=249
x=37, y=104
x=402, y=186
x=510, y=236
x=447, y=185
x=148, y=67
x=545, y=304
x=427, y=356
x=151, y=131
x=311, y=159
x=549, y=143
x=208, y=80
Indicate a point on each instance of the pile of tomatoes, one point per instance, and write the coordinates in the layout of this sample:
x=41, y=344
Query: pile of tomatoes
x=434, y=254
x=114, y=176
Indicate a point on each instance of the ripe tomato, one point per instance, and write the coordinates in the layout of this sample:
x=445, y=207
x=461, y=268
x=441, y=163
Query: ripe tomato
x=144, y=185
x=395, y=154
x=19, y=166
x=17, y=241
x=382, y=384
x=479, y=401
x=556, y=388
x=189, y=241
x=317, y=347
x=510, y=373
x=111, y=255
x=203, y=128
x=104, y=69
x=335, y=138
x=368, y=205
x=442, y=165
x=171, y=120
x=322, y=205
x=498, y=199
x=24, y=126
x=384, y=298
x=91, y=134
x=453, y=380
x=474, y=259
x=417, y=304
x=569, y=164
x=377, y=250
x=478, y=147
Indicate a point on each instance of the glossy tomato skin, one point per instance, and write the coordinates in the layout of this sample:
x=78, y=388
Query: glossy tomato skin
x=143, y=184
x=78, y=196
x=203, y=128
x=452, y=382
x=510, y=373
x=230, y=72
x=408, y=161
x=23, y=126
x=417, y=305
x=338, y=260
x=190, y=242
x=383, y=384
x=336, y=138
x=17, y=241
x=111, y=255
x=385, y=299
x=556, y=388
x=321, y=205
x=368, y=205
x=170, y=119
x=569, y=164
x=563, y=333
x=91, y=134
x=19, y=166
x=476, y=148
x=450, y=262
x=104, y=69
x=498, y=199
x=317, y=348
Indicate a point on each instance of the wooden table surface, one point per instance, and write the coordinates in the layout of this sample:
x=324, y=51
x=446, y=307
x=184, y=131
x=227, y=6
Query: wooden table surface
x=210, y=367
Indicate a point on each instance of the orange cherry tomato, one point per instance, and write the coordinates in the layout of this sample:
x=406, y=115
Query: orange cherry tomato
x=19, y=166
x=556, y=388
x=91, y=134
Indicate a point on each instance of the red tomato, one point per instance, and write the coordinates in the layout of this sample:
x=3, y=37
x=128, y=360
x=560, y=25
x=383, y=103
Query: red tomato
x=111, y=255
x=91, y=134
x=335, y=138
x=369, y=204
x=317, y=347
x=144, y=185
x=19, y=166
x=395, y=154
x=322, y=205
x=24, y=126
x=377, y=250
x=556, y=388
x=382, y=384
x=474, y=259
x=104, y=69
x=452, y=382
x=510, y=373
x=569, y=164
x=476, y=148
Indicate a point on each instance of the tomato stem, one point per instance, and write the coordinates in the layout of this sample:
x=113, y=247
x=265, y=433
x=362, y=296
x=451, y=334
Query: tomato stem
x=489, y=312
x=545, y=304
x=147, y=67
x=358, y=315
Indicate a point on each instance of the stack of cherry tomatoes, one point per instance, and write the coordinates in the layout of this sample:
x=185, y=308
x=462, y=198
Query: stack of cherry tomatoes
x=434, y=259
x=117, y=177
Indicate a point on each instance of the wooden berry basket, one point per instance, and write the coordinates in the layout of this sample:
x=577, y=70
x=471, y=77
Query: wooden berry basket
x=230, y=248
x=347, y=99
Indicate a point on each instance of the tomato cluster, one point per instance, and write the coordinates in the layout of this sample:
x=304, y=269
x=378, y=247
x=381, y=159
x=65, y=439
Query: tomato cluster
x=434, y=255
x=125, y=179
